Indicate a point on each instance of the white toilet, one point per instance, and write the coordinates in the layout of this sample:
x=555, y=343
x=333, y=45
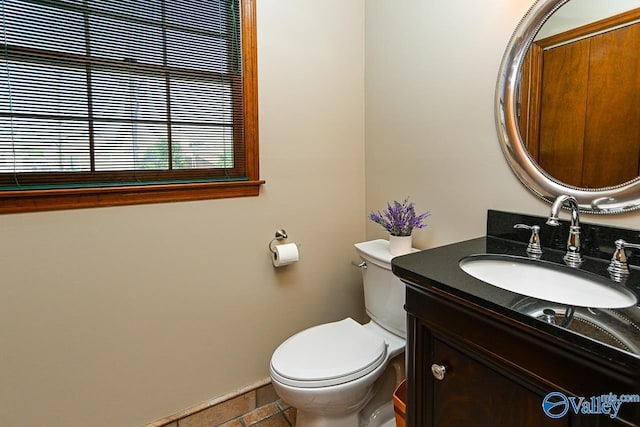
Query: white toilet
x=342, y=374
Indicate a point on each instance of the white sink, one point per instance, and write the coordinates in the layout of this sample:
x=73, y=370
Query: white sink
x=548, y=281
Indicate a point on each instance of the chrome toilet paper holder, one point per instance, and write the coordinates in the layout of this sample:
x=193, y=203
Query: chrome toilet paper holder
x=280, y=235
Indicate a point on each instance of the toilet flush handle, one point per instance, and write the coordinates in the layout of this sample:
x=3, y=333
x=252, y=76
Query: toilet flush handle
x=362, y=265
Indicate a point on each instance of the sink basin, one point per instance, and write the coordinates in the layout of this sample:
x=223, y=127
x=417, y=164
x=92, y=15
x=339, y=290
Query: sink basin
x=547, y=281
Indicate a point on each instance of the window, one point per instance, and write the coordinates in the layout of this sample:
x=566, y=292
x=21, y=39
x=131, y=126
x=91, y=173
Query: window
x=109, y=102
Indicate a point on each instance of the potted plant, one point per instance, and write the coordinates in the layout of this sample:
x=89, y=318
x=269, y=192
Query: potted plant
x=399, y=219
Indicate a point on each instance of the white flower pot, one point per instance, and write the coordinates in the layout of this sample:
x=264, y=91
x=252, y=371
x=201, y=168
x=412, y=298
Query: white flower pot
x=399, y=245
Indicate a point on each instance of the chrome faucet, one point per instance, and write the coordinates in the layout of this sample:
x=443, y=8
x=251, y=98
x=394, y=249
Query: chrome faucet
x=534, y=249
x=572, y=258
x=618, y=267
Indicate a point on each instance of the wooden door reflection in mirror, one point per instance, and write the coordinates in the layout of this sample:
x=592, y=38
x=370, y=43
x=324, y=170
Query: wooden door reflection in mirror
x=579, y=112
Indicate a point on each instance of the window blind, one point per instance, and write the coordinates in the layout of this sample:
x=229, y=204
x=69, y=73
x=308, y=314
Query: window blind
x=97, y=92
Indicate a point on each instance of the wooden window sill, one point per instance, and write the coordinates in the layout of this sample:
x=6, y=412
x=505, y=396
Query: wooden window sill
x=75, y=198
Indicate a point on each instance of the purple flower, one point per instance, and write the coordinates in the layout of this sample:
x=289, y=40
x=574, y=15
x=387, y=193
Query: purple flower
x=399, y=219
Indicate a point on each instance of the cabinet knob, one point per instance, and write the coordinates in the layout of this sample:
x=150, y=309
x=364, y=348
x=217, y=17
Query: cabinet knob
x=438, y=371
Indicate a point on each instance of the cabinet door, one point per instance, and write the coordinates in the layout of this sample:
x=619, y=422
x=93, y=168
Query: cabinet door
x=472, y=394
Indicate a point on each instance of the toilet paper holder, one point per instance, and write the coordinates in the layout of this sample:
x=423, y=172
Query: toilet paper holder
x=280, y=235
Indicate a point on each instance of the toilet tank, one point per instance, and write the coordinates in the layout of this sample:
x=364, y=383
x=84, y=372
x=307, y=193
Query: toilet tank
x=384, y=293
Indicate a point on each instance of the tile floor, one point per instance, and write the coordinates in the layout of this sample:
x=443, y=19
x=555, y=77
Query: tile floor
x=257, y=408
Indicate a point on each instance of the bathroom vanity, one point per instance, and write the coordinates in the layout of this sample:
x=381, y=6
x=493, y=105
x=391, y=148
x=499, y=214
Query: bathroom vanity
x=483, y=355
x=479, y=355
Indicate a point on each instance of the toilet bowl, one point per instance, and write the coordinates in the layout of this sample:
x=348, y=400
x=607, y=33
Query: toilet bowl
x=332, y=372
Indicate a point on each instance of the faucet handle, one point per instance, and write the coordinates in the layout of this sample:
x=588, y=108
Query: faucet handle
x=618, y=268
x=534, y=249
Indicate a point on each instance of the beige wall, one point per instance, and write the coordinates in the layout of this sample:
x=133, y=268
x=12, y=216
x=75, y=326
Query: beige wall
x=430, y=74
x=121, y=316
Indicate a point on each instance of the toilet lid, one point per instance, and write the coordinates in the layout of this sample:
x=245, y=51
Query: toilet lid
x=329, y=354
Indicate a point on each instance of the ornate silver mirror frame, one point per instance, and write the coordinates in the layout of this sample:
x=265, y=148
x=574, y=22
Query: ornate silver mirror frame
x=609, y=200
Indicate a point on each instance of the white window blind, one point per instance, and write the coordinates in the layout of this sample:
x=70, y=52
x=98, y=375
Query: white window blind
x=101, y=92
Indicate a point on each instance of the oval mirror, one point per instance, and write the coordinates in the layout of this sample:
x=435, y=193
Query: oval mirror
x=565, y=110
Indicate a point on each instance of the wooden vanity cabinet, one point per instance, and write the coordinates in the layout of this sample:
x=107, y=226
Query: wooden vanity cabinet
x=497, y=370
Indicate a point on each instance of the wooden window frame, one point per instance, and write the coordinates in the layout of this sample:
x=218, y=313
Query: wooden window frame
x=14, y=201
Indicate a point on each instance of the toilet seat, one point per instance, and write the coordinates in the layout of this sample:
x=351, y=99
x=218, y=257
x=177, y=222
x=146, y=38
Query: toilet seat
x=329, y=354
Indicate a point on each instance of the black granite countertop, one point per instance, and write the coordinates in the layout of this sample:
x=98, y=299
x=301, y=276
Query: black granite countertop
x=610, y=333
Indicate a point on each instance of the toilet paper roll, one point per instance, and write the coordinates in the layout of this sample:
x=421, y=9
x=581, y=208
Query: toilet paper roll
x=285, y=254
